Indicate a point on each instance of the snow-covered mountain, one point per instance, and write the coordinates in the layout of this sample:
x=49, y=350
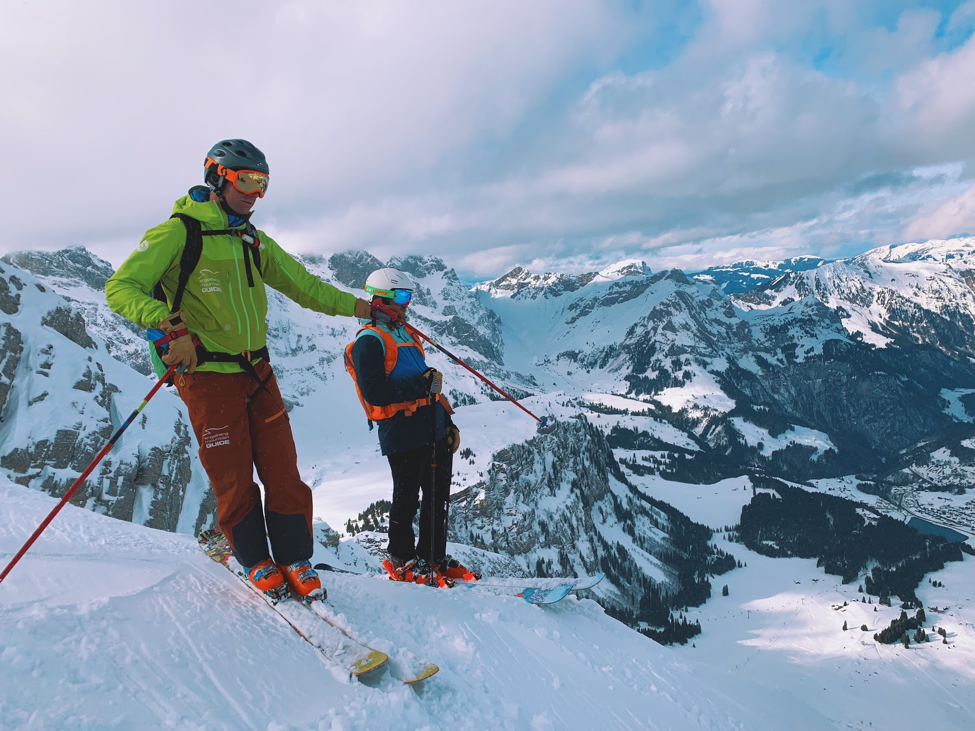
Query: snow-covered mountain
x=919, y=294
x=691, y=383
x=744, y=276
x=853, y=377
x=62, y=395
x=59, y=338
x=79, y=278
x=866, y=355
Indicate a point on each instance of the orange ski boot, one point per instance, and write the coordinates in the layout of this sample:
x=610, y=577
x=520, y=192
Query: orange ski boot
x=268, y=578
x=451, y=568
x=399, y=569
x=427, y=574
x=304, y=581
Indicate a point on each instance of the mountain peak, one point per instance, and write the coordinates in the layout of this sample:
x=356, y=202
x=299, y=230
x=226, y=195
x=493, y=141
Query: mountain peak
x=352, y=267
x=418, y=266
x=748, y=275
x=625, y=268
x=74, y=262
x=937, y=250
x=519, y=283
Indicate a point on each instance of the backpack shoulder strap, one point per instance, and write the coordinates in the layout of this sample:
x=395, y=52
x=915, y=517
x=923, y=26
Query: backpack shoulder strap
x=251, y=243
x=192, y=251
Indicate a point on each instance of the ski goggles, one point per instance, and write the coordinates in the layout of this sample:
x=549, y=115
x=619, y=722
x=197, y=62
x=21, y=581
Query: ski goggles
x=247, y=182
x=401, y=297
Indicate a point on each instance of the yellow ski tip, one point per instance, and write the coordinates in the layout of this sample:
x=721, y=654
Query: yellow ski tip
x=428, y=672
x=368, y=663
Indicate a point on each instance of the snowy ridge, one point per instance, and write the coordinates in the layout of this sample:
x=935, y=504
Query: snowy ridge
x=79, y=277
x=745, y=276
x=918, y=292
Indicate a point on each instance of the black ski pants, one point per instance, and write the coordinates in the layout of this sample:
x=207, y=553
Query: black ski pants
x=411, y=474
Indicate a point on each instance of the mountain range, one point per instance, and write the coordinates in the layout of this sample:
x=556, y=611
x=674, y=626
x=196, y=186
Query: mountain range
x=853, y=372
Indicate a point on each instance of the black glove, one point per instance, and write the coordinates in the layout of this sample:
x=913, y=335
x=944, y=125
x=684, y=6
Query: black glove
x=434, y=380
x=384, y=315
x=453, y=438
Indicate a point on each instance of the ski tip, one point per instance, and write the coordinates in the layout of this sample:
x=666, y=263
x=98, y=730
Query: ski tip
x=428, y=671
x=368, y=663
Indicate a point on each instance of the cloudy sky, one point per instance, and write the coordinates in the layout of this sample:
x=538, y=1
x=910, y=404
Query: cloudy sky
x=547, y=133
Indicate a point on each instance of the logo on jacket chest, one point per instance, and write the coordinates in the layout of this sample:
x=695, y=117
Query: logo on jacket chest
x=209, y=281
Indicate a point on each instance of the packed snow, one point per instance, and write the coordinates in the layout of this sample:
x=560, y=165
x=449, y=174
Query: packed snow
x=111, y=625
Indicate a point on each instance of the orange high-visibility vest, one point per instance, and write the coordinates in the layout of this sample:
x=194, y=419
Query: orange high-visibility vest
x=392, y=346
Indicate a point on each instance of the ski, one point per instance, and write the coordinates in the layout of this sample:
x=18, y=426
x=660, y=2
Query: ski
x=335, y=645
x=420, y=670
x=537, y=595
x=540, y=593
x=336, y=569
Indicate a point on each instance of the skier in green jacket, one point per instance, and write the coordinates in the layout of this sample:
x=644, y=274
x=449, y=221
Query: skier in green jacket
x=229, y=388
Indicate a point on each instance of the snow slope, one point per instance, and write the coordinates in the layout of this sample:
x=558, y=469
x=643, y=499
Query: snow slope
x=111, y=625
x=781, y=626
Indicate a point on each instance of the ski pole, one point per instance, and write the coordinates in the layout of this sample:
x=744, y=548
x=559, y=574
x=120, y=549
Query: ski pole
x=88, y=471
x=542, y=422
x=434, y=404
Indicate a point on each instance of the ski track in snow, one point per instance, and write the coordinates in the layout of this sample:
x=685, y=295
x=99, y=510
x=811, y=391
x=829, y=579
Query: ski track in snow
x=110, y=625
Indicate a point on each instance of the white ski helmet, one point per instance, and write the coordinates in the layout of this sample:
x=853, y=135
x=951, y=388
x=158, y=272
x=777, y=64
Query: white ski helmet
x=382, y=282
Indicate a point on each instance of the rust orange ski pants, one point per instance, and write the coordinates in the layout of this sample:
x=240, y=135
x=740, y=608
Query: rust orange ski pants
x=239, y=427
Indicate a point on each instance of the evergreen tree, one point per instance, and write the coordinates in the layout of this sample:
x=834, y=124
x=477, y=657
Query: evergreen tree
x=844, y=625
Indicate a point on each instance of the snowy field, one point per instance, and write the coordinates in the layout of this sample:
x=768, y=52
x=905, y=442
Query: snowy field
x=781, y=627
x=110, y=625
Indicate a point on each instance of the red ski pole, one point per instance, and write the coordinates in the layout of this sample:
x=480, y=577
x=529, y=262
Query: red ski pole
x=542, y=422
x=88, y=471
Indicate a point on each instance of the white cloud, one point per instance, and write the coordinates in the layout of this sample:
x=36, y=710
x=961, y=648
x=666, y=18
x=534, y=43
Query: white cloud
x=350, y=101
x=490, y=133
x=954, y=216
x=964, y=15
x=936, y=105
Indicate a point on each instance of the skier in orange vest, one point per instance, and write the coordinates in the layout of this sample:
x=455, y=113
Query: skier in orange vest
x=398, y=390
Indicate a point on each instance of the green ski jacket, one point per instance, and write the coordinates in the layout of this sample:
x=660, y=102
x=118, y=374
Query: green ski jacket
x=218, y=305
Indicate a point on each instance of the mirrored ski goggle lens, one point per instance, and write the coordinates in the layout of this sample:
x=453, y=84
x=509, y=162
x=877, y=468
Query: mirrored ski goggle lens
x=249, y=182
x=402, y=296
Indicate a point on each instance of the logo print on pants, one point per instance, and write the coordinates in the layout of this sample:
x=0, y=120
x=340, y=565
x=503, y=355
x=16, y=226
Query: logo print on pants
x=216, y=436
